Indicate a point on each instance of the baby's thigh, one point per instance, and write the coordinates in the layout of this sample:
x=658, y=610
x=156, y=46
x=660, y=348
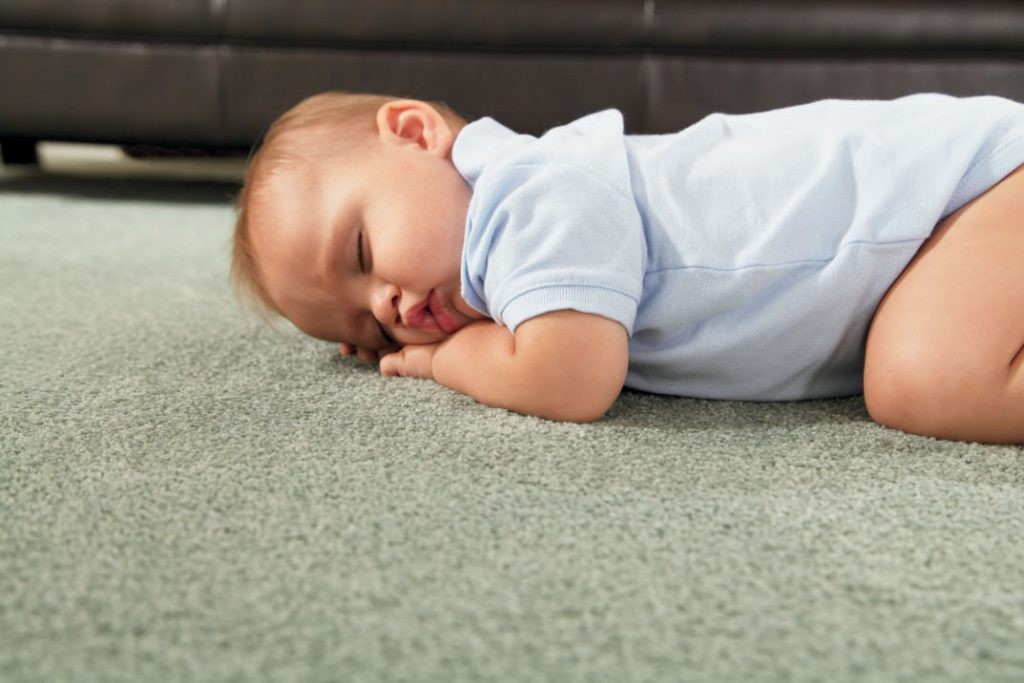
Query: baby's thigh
x=944, y=348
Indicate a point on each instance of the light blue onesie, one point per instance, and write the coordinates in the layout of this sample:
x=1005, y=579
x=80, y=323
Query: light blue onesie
x=744, y=255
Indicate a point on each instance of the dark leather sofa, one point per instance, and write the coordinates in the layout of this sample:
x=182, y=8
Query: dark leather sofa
x=213, y=73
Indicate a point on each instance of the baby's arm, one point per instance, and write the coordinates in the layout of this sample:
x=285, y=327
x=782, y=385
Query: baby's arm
x=563, y=365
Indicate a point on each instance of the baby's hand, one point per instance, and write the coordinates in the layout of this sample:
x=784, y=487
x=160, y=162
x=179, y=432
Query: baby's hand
x=412, y=360
x=368, y=355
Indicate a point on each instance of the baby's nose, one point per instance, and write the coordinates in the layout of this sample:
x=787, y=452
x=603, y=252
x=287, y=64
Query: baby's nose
x=395, y=301
x=387, y=305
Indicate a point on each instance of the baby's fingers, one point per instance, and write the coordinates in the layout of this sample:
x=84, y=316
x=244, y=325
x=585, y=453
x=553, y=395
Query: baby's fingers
x=391, y=364
x=368, y=355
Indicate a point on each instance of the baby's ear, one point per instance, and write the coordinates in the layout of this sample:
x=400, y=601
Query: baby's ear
x=407, y=122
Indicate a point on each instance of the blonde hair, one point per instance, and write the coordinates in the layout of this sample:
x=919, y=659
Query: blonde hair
x=352, y=120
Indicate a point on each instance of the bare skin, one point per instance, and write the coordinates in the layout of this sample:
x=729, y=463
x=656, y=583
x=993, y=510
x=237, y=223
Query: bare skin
x=945, y=352
x=352, y=248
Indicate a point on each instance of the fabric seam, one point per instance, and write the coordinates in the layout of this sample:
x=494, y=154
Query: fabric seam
x=976, y=167
x=565, y=285
x=786, y=264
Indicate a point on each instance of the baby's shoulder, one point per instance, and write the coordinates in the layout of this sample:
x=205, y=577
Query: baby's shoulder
x=585, y=156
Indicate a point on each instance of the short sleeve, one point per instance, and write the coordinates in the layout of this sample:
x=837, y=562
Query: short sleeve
x=550, y=236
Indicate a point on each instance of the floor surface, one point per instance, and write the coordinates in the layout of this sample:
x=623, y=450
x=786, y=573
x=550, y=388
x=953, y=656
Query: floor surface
x=189, y=496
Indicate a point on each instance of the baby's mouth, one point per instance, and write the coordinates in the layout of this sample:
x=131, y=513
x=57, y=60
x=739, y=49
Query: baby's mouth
x=431, y=314
x=442, y=316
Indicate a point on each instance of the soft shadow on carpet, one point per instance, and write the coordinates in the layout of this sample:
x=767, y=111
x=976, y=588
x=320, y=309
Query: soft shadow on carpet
x=188, y=496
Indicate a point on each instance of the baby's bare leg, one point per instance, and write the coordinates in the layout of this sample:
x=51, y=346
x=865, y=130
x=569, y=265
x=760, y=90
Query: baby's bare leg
x=945, y=352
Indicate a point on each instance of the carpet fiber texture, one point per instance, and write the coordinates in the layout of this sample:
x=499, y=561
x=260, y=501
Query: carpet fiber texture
x=187, y=495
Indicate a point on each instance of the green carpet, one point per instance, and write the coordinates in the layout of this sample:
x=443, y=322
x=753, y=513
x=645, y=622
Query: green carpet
x=187, y=496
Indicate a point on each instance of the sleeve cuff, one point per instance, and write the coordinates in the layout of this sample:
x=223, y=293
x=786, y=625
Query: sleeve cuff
x=610, y=303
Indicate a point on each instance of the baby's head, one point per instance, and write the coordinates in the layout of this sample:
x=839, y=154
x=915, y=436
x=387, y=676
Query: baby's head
x=351, y=222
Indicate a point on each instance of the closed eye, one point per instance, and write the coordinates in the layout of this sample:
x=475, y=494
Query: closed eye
x=362, y=266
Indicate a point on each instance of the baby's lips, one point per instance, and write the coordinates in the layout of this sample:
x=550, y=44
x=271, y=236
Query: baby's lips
x=419, y=316
x=442, y=316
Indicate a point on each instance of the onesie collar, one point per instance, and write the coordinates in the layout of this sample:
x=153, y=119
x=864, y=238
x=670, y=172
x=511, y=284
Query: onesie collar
x=594, y=143
x=477, y=145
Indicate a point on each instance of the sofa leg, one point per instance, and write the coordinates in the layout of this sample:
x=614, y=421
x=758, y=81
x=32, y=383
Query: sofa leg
x=19, y=152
